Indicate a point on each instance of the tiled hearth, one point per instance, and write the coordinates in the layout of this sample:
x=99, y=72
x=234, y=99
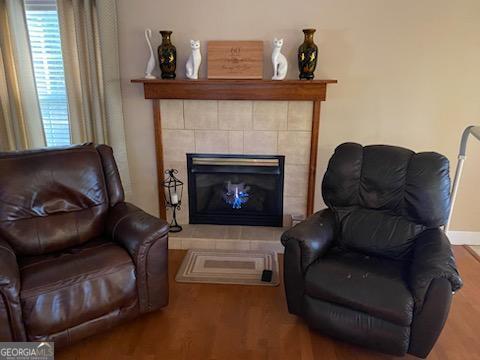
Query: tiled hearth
x=227, y=237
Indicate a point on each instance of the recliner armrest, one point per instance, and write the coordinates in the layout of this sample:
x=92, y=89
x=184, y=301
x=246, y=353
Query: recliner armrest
x=134, y=228
x=145, y=237
x=11, y=324
x=314, y=236
x=432, y=259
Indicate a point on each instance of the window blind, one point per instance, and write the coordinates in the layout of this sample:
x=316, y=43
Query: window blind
x=45, y=43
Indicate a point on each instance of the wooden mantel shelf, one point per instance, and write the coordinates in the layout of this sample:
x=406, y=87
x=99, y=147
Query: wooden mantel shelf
x=294, y=90
x=313, y=90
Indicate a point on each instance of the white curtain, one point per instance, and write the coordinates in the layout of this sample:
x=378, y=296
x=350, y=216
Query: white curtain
x=90, y=53
x=20, y=117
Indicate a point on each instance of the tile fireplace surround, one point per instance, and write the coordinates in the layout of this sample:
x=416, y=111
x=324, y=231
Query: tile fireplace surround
x=239, y=117
x=240, y=127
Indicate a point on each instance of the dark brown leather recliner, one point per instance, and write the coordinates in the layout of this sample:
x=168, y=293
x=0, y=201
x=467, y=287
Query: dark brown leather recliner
x=374, y=268
x=74, y=257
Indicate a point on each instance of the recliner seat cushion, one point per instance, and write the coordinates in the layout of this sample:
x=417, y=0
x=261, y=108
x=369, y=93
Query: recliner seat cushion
x=364, y=283
x=62, y=290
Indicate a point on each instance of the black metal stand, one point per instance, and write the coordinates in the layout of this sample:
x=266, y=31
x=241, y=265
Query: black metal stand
x=173, y=196
x=174, y=227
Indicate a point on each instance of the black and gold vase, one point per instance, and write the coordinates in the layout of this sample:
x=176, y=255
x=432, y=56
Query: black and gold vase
x=307, y=56
x=167, y=56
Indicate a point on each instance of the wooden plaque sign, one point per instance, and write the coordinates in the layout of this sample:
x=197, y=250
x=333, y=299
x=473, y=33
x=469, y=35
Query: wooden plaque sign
x=235, y=59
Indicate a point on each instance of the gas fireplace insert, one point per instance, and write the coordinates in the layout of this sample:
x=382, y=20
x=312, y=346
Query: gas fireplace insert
x=235, y=189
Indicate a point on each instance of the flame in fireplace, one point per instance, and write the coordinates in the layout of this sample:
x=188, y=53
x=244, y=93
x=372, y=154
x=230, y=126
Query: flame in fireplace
x=236, y=195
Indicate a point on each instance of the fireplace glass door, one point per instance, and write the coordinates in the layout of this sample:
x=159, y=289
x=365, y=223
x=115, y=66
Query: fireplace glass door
x=235, y=189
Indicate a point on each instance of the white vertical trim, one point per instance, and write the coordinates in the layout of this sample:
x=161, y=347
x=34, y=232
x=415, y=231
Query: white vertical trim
x=464, y=237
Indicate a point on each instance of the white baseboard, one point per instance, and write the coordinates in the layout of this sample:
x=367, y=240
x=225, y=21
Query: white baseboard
x=464, y=237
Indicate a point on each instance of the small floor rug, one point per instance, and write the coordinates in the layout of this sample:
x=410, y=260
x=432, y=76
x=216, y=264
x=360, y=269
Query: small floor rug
x=228, y=267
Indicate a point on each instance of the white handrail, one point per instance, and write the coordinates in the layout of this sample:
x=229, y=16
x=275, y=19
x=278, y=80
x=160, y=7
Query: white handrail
x=471, y=130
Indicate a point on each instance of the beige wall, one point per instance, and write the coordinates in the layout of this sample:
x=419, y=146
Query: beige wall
x=408, y=72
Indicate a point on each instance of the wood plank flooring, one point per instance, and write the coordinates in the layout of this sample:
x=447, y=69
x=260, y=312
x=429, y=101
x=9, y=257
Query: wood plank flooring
x=226, y=322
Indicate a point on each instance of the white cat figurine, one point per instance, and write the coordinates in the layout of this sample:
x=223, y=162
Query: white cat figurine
x=279, y=61
x=194, y=60
x=151, y=61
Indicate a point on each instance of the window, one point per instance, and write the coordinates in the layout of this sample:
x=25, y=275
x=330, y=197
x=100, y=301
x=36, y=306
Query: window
x=44, y=33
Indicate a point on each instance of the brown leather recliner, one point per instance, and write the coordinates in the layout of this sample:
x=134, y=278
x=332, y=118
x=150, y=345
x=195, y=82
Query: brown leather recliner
x=374, y=268
x=74, y=257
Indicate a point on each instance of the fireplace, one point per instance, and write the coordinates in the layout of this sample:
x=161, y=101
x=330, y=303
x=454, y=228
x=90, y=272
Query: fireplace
x=235, y=189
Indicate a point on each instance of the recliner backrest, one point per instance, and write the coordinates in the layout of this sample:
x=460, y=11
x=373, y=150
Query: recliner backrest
x=384, y=196
x=52, y=199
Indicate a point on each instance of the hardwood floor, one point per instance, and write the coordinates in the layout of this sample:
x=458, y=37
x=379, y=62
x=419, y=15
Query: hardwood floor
x=228, y=322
